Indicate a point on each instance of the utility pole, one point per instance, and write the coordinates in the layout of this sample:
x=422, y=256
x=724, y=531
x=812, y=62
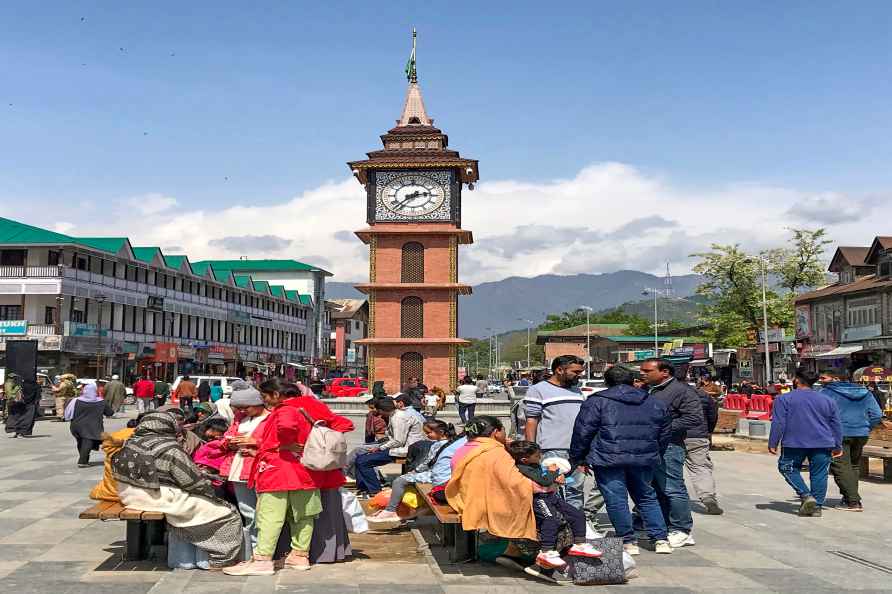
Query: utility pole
x=529, y=329
x=588, y=341
x=656, y=293
x=768, y=373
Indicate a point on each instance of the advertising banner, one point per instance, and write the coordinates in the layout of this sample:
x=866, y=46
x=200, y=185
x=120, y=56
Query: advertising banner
x=13, y=327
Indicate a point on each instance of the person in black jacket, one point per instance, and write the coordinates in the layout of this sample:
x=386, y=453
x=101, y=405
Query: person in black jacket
x=686, y=412
x=697, y=459
x=621, y=433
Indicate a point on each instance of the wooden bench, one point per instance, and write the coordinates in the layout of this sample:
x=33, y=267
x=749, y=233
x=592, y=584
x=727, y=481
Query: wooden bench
x=874, y=451
x=462, y=544
x=144, y=528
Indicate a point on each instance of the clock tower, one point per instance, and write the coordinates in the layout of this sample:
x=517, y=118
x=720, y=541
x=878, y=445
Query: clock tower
x=413, y=192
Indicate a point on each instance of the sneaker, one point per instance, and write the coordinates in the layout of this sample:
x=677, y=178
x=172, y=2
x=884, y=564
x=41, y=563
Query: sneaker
x=297, y=562
x=550, y=560
x=852, y=507
x=808, y=507
x=252, y=567
x=384, y=516
x=662, y=547
x=678, y=539
x=512, y=563
x=585, y=550
x=817, y=513
x=712, y=507
x=632, y=548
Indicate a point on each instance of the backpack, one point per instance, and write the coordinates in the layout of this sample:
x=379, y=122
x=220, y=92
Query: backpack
x=325, y=449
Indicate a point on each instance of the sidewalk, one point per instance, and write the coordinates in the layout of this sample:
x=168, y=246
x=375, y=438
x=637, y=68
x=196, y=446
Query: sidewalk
x=758, y=546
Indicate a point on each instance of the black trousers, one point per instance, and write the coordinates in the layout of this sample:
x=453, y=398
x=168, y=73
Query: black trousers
x=550, y=511
x=84, y=447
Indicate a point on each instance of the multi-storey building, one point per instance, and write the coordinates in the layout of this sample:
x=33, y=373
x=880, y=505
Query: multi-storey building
x=102, y=305
x=350, y=322
x=848, y=324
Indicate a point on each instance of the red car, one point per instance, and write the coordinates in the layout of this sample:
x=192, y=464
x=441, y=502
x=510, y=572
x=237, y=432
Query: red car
x=345, y=387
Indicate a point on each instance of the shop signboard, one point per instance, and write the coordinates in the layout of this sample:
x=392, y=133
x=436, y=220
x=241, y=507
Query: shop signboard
x=803, y=321
x=813, y=350
x=13, y=327
x=745, y=369
x=239, y=317
x=81, y=329
x=50, y=342
x=165, y=352
x=225, y=353
x=878, y=343
x=351, y=355
x=861, y=332
x=185, y=352
x=774, y=335
x=772, y=347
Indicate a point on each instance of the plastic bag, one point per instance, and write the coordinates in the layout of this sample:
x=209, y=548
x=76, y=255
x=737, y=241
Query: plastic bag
x=410, y=498
x=354, y=516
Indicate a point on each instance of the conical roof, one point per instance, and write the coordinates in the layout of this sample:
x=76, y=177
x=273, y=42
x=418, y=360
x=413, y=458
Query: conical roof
x=414, y=113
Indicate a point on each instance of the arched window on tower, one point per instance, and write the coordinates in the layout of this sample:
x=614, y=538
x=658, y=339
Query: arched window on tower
x=412, y=318
x=413, y=263
x=411, y=365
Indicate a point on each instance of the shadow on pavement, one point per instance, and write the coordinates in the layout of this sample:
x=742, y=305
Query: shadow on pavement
x=780, y=506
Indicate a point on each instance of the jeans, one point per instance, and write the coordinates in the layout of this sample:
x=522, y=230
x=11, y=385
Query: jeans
x=144, y=405
x=550, y=512
x=617, y=484
x=671, y=490
x=466, y=411
x=397, y=490
x=247, y=507
x=790, y=467
x=575, y=493
x=364, y=469
x=846, y=469
x=699, y=467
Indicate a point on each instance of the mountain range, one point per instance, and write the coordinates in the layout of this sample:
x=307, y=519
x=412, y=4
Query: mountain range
x=506, y=304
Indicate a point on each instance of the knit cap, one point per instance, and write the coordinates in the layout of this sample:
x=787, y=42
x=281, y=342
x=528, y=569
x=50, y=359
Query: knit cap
x=244, y=394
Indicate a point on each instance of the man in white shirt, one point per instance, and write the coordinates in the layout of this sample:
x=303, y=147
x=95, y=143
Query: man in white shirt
x=466, y=399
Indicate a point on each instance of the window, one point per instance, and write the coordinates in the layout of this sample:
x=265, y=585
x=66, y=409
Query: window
x=10, y=312
x=412, y=263
x=12, y=257
x=412, y=318
x=108, y=268
x=77, y=316
x=862, y=312
x=53, y=258
x=411, y=365
x=885, y=268
x=49, y=315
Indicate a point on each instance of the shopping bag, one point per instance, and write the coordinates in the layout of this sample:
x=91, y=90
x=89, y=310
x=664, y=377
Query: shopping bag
x=354, y=516
x=607, y=569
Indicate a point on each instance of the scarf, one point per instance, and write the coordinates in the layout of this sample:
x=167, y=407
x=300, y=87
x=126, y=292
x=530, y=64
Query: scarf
x=154, y=457
x=88, y=394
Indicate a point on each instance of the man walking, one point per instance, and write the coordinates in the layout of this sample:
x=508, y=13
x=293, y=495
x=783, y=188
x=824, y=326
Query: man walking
x=551, y=407
x=115, y=393
x=621, y=434
x=482, y=386
x=63, y=393
x=696, y=444
x=162, y=392
x=186, y=392
x=686, y=412
x=858, y=413
x=144, y=391
x=806, y=424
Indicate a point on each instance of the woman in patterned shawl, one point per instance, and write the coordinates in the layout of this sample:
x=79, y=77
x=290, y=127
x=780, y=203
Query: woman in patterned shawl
x=154, y=473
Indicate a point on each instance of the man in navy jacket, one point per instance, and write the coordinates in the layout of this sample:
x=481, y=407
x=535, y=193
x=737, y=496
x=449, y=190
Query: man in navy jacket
x=621, y=433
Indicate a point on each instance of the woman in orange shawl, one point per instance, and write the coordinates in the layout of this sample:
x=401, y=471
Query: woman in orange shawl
x=486, y=488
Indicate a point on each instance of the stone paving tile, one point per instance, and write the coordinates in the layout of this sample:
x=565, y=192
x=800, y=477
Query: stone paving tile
x=787, y=580
x=45, y=531
x=740, y=559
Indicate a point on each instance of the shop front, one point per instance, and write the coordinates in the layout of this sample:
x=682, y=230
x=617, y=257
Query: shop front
x=222, y=360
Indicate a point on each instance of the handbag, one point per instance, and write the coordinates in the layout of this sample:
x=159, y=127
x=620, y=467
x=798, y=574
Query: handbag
x=354, y=516
x=608, y=569
x=325, y=449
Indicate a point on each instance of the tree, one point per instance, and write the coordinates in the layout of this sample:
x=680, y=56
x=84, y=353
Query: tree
x=800, y=266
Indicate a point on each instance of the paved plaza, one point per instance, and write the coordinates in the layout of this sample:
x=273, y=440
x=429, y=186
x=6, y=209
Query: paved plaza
x=758, y=546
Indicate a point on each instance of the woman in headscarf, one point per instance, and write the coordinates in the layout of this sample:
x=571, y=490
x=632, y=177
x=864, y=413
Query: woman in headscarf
x=85, y=413
x=154, y=473
x=22, y=409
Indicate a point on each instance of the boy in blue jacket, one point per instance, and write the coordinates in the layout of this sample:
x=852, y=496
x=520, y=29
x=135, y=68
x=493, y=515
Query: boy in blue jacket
x=859, y=413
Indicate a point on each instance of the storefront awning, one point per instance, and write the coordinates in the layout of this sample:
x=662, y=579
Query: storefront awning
x=699, y=362
x=298, y=365
x=839, y=352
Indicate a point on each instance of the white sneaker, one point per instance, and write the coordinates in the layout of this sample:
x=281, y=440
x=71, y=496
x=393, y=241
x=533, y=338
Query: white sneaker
x=550, y=560
x=662, y=547
x=592, y=533
x=632, y=548
x=678, y=539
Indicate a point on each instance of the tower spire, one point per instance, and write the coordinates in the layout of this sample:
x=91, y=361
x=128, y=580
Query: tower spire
x=411, y=73
x=414, y=113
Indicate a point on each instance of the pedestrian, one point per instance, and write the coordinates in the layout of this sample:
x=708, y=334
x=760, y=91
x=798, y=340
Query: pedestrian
x=806, y=425
x=686, y=413
x=466, y=399
x=482, y=386
x=858, y=413
x=186, y=392
x=697, y=444
x=621, y=435
x=115, y=393
x=144, y=392
x=85, y=413
x=880, y=396
x=217, y=391
x=204, y=391
x=12, y=391
x=162, y=392
x=64, y=392
x=22, y=409
x=551, y=407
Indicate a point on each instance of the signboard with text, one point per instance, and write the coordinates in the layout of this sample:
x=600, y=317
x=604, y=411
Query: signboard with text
x=13, y=327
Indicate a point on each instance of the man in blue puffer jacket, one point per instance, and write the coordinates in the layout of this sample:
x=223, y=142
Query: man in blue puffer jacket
x=621, y=434
x=859, y=413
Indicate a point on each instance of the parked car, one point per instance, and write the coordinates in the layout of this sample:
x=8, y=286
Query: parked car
x=346, y=387
x=225, y=382
x=47, y=406
x=495, y=388
x=590, y=386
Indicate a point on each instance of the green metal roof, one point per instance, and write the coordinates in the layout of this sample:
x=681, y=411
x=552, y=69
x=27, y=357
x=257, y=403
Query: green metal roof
x=306, y=300
x=200, y=268
x=221, y=276
x=146, y=254
x=243, y=281
x=293, y=295
x=263, y=265
x=112, y=245
x=176, y=261
x=277, y=290
x=261, y=286
x=650, y=338
x=15, y=232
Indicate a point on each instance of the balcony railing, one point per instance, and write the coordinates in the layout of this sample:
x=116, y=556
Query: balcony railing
x=30, y=271
x=42, y=329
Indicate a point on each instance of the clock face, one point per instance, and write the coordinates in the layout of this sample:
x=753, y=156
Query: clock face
x=413, y=195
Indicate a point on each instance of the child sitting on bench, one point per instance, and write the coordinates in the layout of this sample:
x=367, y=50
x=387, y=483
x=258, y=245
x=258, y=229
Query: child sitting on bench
x=549, y=508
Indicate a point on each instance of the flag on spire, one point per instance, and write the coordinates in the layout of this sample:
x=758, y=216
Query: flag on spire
x=411, y=74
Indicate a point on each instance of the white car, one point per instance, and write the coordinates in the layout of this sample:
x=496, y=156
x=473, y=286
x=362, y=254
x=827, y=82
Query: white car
x=89, y=380
x=591, y=386
x=494, y=388
x=225, y=382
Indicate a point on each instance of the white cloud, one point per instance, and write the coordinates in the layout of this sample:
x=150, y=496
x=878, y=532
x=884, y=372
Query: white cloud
x=150, y=204
x=62, y=227
x=609, y=216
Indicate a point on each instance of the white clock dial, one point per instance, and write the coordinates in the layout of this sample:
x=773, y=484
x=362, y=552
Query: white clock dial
x=413, y=195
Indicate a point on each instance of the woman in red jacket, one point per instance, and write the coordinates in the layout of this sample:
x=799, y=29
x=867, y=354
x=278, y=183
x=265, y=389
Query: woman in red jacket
x=286, y=490
x=331, y=542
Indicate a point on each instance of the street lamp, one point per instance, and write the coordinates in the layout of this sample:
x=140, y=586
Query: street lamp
x=100, y=299
x=489, y=350
x=529, y=328
x=588, y=341
x=768, y=373
x=657, y=293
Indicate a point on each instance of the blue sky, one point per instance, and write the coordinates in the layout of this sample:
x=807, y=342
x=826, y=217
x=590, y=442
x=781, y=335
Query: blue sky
x=220, y=104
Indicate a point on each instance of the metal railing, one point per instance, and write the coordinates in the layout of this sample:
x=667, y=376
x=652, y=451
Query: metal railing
x=30, y=271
